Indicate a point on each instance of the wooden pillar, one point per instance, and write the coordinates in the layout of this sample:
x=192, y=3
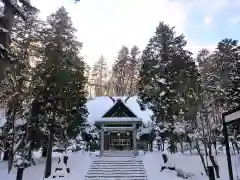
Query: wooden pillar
x=102, y=141
x=134, y=140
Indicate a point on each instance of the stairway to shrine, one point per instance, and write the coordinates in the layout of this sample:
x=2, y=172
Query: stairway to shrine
x=116, y=168
x=118, y=154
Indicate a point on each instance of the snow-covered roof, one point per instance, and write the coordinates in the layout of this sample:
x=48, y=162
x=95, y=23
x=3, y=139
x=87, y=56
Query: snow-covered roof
x=98, y=106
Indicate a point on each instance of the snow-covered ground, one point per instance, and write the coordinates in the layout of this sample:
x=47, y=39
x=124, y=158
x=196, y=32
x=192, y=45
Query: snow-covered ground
x=187, y=163
x=79, y=162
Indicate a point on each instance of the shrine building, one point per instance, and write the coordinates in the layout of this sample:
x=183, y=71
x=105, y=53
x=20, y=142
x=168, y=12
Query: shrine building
x=118, y=119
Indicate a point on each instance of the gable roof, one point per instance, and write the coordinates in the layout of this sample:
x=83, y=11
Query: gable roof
x=98, y=106
x=119, y=105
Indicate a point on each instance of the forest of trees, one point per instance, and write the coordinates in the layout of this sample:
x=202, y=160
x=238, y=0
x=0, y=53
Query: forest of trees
x=188, y=94
x=42, y=84
x=121, y=79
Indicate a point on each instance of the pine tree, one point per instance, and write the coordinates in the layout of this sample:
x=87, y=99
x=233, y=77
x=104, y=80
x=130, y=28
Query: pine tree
x=89, y=85
x=24, y=35
x=219, y=72
x=120, y=72
x=26, y=39
x=60, y=84
x=100, y=75
x=167, y=73
x=134, y=66
x=228, y=56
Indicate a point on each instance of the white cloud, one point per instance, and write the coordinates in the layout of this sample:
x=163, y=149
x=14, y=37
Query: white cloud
x=208, y=20
x=105, y=25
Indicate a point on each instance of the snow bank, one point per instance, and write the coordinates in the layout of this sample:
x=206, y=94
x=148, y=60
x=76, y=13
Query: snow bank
x=78, y=163
x=188, y=164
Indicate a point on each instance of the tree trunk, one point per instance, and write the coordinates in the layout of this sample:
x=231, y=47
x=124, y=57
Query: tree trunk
x=211, y=157
x=5, y=155
x=201, y=157
x=181, y=145
x=234, y=152
x=190, y=146
x=48, y=167
x=151, y=146
x=236, y=144
x=19, y=173
x=12, y=150
x=44, y=151
x=6, y=23
x=163, y=145
x=215, y=147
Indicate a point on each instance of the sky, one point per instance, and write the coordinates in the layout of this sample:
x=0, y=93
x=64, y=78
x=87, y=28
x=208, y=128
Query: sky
x=104, y=26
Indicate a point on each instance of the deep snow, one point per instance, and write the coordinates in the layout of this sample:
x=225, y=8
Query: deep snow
x=79, y=163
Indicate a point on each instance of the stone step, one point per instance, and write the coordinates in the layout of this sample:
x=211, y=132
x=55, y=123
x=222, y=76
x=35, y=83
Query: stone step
x=114, y=173
x=110, y=163
x=113, y=163
x=136, y=178
x=118, y=167
x=109, y=160
x=118, y=152
x=106, y=168
x=117, y=170
x=118, y=155
x=118, y=160
x=116, y=176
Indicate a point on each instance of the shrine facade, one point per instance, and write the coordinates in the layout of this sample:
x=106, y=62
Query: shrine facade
x=118, y=128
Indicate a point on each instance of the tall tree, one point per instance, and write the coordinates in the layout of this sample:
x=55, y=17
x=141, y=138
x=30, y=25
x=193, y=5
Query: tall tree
x=99, y=76
x=120, y=72
x=167, y=74
x=60, y=83
x=134, y=66
x=227, y=68
x=219, y=71
x=15, y=86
